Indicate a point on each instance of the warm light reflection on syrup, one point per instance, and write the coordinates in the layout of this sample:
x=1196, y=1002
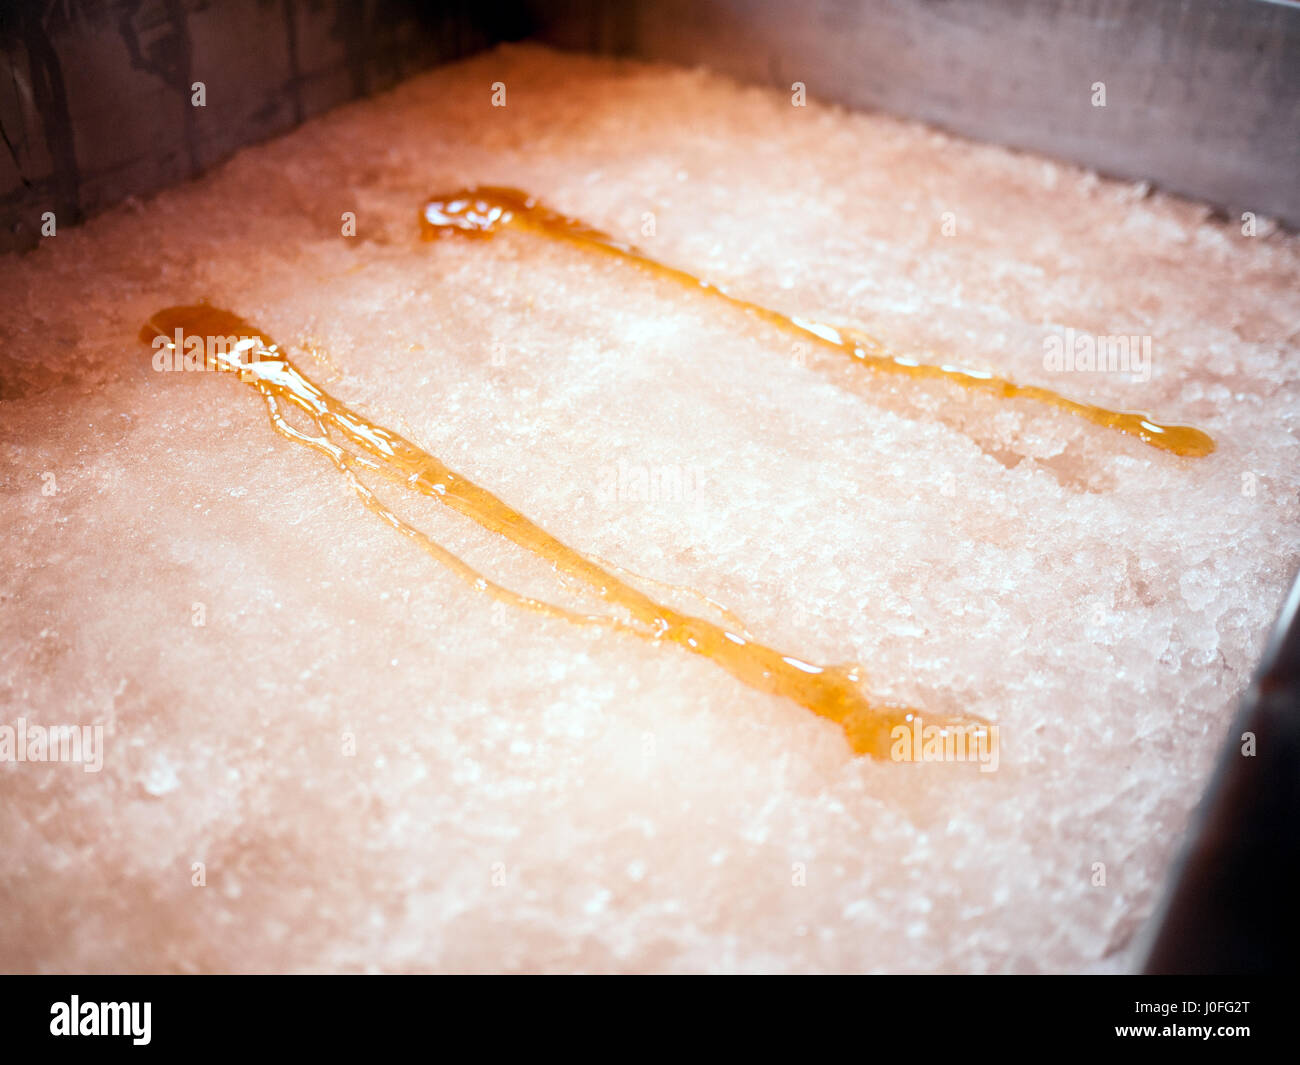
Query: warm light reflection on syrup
x=483, y=210
x=355, y=445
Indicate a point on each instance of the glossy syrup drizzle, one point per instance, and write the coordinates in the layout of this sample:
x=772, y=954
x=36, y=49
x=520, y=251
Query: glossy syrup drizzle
x=484, y=210
x=356, y=445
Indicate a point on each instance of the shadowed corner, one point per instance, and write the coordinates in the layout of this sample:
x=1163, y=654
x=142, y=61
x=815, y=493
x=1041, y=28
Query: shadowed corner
x=1229, y=907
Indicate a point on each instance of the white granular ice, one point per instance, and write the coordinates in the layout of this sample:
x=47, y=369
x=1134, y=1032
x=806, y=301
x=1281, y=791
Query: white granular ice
x=372, y=766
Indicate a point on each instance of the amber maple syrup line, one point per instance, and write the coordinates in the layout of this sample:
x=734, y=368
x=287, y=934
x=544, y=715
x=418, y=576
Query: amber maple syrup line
x=347, y=462
x=834, y=692
x=483, y=210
